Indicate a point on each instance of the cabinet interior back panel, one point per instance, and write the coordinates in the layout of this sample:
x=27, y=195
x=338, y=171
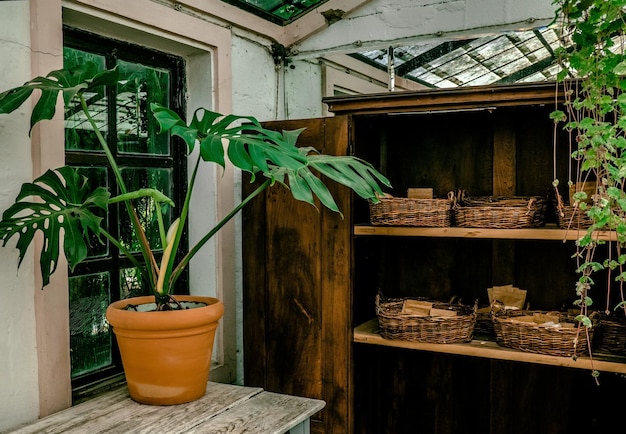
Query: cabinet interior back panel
x=447, y=151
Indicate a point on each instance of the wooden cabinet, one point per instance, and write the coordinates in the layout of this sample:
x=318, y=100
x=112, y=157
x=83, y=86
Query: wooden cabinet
x=311, y=276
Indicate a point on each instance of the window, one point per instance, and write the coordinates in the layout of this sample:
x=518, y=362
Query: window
x=278, y=11
x=146, y=159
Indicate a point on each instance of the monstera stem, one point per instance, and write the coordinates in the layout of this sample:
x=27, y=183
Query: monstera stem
x=121, y=248
x=145, y=248
x=105, y=146
x=183, y=263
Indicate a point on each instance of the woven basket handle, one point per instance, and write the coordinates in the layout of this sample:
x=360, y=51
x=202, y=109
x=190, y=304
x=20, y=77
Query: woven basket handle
x=456, y=196
x=497, y=308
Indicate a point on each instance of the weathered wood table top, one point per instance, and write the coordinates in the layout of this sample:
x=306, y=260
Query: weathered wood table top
x=225, y=408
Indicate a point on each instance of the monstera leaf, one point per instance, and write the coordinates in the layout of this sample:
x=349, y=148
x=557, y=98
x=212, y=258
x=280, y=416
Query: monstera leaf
x=252, y=148
x=57, y=201
x=69, y=82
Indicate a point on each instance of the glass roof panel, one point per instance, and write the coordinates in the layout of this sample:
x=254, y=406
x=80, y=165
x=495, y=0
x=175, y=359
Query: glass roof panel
x=510, y=57
x=277, y=11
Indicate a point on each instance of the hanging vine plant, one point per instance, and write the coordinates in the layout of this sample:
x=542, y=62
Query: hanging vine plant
x=593, y=78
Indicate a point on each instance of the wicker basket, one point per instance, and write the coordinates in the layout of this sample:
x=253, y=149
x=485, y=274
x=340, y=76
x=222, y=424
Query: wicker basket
x=537, y=338
x=419, y=328
x=396, y=211
x=569, y=216
x=611, y=335
x=498, y=212
x=484, y=320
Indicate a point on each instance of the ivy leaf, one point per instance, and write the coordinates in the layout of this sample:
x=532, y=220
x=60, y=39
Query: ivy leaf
x=61, y=201
x=620, y=68
x=558, y=116
x=584, y=320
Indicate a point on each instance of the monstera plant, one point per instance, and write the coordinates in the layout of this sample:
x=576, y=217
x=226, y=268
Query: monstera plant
x=59, y=204
x=69, y=214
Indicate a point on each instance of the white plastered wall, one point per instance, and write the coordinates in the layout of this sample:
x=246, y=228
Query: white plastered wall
x=18, y=355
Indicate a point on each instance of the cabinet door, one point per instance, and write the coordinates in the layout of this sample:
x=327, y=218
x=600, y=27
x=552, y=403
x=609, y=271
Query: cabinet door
x=297, y=288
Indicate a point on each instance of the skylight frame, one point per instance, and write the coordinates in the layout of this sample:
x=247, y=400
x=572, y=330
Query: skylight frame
x=274, y=10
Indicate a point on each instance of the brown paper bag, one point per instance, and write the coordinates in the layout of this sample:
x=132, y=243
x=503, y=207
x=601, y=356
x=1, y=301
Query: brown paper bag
x=524, y=319
x=420, y=193
x=510, y=296
x=442, y=312
x=416, y=307
x=542, y=318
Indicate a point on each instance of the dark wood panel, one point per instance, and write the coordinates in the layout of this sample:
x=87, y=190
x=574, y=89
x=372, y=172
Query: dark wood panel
x=302, y=344
x=421, y=267
x=442, y=269
x=547, y=399
x=472, y=98
x=336, y=238
x=442, y=151
x=414, y=391
x=254, y=255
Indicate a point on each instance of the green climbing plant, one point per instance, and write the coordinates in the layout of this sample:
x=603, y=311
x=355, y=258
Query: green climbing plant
x=593, y=81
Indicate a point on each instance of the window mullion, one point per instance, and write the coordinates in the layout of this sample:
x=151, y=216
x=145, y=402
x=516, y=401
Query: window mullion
x=114, y=189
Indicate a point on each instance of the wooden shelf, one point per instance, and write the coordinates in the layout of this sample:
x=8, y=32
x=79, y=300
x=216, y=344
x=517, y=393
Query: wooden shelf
x=367, y=333
x=549, y=232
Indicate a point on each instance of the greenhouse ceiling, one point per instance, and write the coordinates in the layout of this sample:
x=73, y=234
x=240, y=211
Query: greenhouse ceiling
x=512, y=57
x=509, y=57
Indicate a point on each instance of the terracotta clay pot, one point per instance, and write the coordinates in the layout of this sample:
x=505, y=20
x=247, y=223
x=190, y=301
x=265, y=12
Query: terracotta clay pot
x=166, y=355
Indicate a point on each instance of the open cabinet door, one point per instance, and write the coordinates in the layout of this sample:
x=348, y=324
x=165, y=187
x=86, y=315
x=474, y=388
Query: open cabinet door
x=297, y=288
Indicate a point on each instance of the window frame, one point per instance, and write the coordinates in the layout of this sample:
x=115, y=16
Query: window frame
x=86, y=385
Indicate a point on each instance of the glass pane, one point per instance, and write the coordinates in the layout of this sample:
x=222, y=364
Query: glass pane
x=140, y=86
x=277, y=10
x=97, y=177
x=136, y=178
x=130, y=283
x=90, y=337
x=79, y=134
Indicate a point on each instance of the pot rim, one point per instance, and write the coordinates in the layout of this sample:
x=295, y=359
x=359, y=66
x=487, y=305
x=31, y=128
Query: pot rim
x=118, y=316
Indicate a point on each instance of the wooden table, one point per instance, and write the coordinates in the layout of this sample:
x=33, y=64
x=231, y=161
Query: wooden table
x=225, y=408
